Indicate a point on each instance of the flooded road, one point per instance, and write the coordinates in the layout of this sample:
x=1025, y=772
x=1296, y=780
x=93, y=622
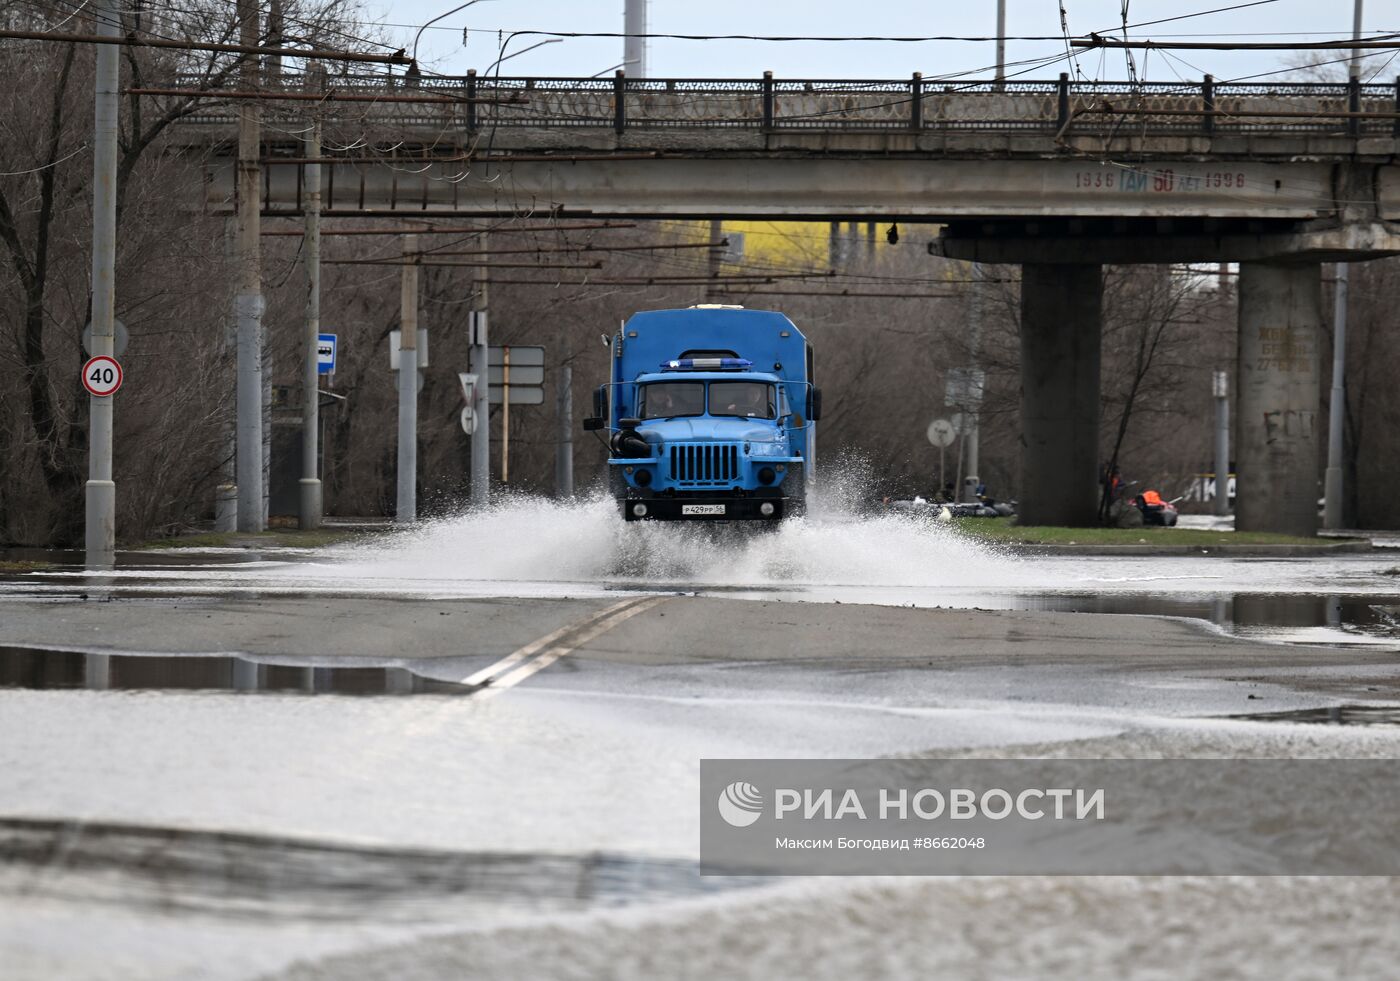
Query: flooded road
x=531, y=548
x=473, y=747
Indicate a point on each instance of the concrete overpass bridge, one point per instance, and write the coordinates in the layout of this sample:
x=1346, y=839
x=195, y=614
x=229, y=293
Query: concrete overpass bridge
x=1059, y=178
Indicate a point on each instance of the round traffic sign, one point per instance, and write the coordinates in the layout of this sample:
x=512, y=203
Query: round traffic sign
x=102, y=376
x=941, y=433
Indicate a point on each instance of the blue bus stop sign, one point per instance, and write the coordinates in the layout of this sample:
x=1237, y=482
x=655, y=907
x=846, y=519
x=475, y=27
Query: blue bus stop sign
x=325, y=354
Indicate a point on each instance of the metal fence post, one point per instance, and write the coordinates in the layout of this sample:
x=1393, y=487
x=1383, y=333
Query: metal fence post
x=471, y=100
x=1062, y=113
x=619, y=103
x=1208, y=105
x=916, y=102
x=767, y=100
x=1354, y=106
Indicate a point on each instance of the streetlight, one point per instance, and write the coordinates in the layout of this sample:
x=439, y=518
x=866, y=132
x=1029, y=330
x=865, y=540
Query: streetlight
x=495, y=64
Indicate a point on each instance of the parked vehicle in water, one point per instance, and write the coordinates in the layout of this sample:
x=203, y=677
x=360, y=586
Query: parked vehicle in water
x=709, y=412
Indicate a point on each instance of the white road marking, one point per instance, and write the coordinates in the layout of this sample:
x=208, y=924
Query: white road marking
x=535, y=646
x=596, y=625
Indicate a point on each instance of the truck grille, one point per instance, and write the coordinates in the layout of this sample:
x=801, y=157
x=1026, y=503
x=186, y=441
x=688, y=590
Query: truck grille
x=705, y=463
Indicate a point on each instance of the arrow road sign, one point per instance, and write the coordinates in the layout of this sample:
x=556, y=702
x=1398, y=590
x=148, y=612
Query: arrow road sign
x=325, y=354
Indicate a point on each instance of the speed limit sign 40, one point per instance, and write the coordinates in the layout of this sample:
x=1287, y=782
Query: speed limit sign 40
x=102, y=376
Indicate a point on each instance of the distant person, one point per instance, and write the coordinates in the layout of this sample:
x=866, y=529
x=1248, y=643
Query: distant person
x=750, y=403
x=661, y=403
x=1112, y=480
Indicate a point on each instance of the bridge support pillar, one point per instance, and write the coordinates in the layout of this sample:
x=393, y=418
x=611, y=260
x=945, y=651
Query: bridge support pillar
x=1060, y=333
x=1280, y=318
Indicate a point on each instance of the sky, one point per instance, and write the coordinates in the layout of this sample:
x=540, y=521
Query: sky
x=491, y=22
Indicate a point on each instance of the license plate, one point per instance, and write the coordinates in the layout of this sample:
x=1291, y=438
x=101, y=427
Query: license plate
x=702, y=509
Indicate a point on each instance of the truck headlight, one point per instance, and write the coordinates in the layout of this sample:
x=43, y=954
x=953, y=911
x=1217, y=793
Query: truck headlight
x=773, y=448
x=766, y=509
x=642, y=478
x=639, y=509
x=766, y=475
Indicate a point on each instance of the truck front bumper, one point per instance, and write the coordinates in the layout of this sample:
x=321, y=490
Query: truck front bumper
x=708, y=508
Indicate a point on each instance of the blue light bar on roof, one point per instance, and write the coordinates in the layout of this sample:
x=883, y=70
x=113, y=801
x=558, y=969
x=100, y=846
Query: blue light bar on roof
x=707, y=364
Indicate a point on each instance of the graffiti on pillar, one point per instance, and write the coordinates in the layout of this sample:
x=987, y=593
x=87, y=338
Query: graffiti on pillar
x=1286, y=349
x=1288, y=424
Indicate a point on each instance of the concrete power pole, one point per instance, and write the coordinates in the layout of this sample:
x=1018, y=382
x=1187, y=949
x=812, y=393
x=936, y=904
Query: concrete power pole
x=1001, y=45
x=634, y=50
x=564, y=453
x=101, y=490
x=248, y=304
x=971, y=423
x=310, y=484
x=714, y=262
x=1333, y=515
x=481, y=403
x=1221, y=390
x=407, y=511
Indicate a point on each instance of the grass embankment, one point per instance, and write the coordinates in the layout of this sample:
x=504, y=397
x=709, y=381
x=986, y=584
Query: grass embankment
x=272, y=538
x=1004, y=530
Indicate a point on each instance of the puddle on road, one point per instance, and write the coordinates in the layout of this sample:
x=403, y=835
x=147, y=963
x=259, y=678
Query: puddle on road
x=22, y=667
x=229, y=873
x=1335, y=620
x=1337, y=715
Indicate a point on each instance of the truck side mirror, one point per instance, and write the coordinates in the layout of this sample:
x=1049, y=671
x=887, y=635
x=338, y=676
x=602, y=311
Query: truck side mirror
x=592, y=423
x=600, y=402
x=814, y=404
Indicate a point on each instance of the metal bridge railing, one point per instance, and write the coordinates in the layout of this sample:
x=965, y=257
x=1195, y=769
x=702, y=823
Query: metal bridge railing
x=919, y=105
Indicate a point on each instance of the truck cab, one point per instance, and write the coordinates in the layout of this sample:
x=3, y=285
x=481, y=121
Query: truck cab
x=709, y=416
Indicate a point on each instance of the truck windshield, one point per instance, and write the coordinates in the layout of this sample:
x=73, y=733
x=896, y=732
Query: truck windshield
x=749, y=400
x=666, y=400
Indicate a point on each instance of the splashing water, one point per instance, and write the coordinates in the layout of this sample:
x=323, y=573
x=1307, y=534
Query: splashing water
x=525, y=539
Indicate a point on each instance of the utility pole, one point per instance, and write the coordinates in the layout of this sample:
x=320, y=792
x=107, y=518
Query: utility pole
x=101, y=489
x=1221, y=390
x=226, y=493
x=310, y=484
x=634, y=49
x=1001, y=45
x=481, y=407
x=564, y=453
x=1333, y=485
x=1332, y=516
x=971, y=422
x=248, y=304
x=715, y=259
x=408, y=385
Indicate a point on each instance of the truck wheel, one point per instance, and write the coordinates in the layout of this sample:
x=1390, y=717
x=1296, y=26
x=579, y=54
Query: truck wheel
x=795, y=489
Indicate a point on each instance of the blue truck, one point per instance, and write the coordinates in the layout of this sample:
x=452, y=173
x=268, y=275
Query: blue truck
x=709, y=415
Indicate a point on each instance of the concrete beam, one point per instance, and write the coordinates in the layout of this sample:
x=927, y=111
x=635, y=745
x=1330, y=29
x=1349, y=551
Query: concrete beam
x=1304, y=242
x=810, y=187
x=1280, y=318
x=1061, y=307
